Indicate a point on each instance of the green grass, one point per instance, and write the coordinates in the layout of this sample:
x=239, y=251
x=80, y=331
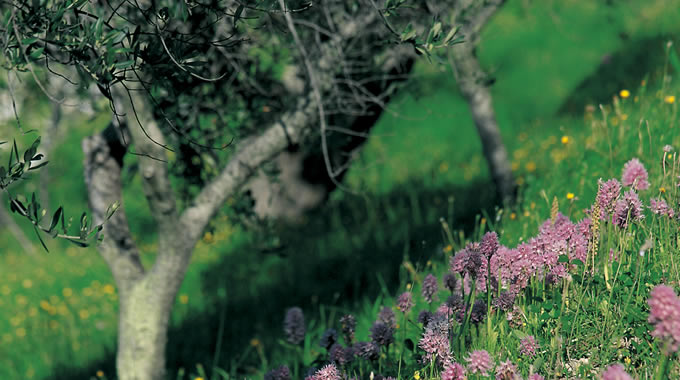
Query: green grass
x=423, y=152
x=596, y=318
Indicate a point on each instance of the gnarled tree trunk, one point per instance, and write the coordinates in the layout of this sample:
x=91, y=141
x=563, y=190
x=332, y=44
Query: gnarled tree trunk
x=146, y=294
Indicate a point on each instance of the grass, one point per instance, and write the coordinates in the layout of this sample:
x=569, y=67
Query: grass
x=540, y=53
x=597, y=314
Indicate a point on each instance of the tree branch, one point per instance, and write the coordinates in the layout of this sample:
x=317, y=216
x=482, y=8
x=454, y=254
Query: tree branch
x=291, y=127
x=149, y=145
x=103, y=162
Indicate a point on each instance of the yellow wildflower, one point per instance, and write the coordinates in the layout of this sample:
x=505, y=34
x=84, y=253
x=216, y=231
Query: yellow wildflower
x=513, y=216
x=570, y=196
x=27, y=283
x=624, y=93
x=254, y=342
x=662, y=189
x=109, y=289
x=100, y=373
x=67, y=292
x=530, y=166
x=448, y=248
x=416, y=375
x=670, y=99
x=183, y=299
x=565, y=140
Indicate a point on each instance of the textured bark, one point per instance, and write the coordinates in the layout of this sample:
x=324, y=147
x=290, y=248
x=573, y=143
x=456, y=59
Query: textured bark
x=146, y=296
x=472, y=82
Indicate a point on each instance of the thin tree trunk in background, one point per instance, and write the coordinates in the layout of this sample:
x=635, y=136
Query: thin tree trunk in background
x=7, y=222
x=472, y=82
x=471, y=78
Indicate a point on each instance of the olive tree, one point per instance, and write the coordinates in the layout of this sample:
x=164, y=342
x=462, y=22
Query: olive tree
x=187, y=78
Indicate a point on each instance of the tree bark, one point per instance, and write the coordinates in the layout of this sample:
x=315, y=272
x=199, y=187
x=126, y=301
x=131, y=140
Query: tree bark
x=472, y=82
x=146, y=296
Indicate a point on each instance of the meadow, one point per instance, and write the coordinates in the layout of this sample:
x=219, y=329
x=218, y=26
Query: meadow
x=425, y=196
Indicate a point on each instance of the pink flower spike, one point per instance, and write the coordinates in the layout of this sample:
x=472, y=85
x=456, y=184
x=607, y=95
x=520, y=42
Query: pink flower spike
x=616, y=372
x=664, y=315
x=479, y=361
x=635, y=174
x=454, y=371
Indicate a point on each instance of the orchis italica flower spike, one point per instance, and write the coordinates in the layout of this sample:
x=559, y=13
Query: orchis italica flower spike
x=367, y=350
x=528, y=346
x=328, y=338
x=430, y=288
x=504, y=301
x=507, y=371
x=660, y=207
x=450, y=281
x=635, y=174
x=454, y=371
x=382, y=334
x=607, y=196
x=479, y=361
x=294, y=325
x=435, y=340
x=664, y=315
x=341, y=355
x=405, y=302
x=329, y=372
x=628, y=209
x=478, y=311
x=349, y=324
x=387, y=317
x=281, y=373
x=489, y=244
x=424, y=317
x=616, y=372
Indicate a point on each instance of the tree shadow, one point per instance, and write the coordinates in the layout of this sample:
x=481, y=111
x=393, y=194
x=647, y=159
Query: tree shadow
x=623, y=69
x=346, y=253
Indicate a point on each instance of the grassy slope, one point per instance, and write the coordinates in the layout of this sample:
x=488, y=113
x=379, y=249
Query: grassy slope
x=539, y=54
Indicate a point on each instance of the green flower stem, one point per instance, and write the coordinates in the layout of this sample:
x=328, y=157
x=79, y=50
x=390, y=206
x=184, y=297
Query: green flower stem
x=662, y=368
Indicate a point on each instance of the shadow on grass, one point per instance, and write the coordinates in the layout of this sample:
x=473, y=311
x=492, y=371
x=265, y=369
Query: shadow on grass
x=623, y=69
x=345, y=254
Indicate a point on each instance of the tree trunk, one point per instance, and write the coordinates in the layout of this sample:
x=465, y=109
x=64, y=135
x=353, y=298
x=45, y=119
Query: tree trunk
x=473, y=84
x=142, y=332
x=146, y=296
